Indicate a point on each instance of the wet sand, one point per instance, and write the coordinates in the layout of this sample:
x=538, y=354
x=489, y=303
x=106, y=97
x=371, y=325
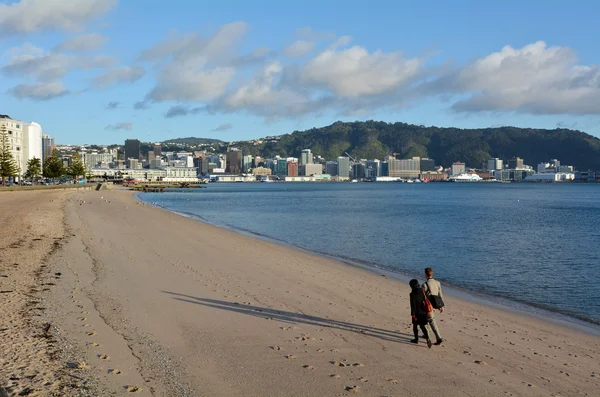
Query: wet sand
x=158, y=304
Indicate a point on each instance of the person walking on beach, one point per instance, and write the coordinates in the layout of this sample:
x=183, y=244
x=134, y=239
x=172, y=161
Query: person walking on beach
x=420, y=316
x=433, y=291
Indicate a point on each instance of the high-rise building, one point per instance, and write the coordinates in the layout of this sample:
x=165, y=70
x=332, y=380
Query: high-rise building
x=202, y=164
x=47, y=147
x=358, y=170
x=494, y=164
x=32, y=143
x=157, y=150
x=331, y=168
x=306, y=157
x=516, y=163
x=281, y=167
x=257, y=162
x=233, y=161
x=458, y=168
x=372, y=168
x=427, y=164
x=292, y=168
x=343, y=170
x=133, y=149
x=246, y=163
x=405, y=168
x=14, y=135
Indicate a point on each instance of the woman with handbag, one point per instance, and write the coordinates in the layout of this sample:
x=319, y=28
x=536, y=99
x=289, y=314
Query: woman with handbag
x=420, y=309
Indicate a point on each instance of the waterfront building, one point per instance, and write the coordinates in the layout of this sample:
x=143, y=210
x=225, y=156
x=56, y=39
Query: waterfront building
x=281, y=167
x=261, y=171
x=432, y=176
x=233, y=161
x=313, y=169
x=516, y=163
x=358, y=171
x=343, y=171
x=405, y=168
x=331, y=168
x=247, y=163
x=306, y=157
x=372, y=168
x=458, y=168
x=156, y=163
x=181, y=174
x=427, y=164
x=202, y=164
x=133, y=149
x=550, y=177
x=494, y=164
x=292, y=168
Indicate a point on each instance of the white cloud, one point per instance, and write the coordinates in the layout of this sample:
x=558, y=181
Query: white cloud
x=187, y=82
x=355, y=72
x=299, y=48
x=119, y=126
x=39, y=92
x=83, y=42
x=30, y=61
x=534, y=79
x=124, y=74
x=28, y=16
x=197, y=68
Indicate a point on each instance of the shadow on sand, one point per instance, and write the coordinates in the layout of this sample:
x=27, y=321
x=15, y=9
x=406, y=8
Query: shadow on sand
x=295, y=318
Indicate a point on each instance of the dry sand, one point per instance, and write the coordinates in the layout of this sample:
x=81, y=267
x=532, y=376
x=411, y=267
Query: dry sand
x=158, y=304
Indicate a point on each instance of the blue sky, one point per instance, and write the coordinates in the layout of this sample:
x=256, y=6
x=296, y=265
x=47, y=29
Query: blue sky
x=101, y=71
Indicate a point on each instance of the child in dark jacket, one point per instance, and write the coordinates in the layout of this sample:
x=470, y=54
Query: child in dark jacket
x=417, y=311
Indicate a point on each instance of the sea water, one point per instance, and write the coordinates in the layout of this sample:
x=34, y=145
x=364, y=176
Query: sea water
x=532, y=243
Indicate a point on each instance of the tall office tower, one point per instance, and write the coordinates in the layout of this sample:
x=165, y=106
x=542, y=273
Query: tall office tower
x=343, y=167
x=233, y=161
x=47, y=147
x=306, y=157
x=133, y=149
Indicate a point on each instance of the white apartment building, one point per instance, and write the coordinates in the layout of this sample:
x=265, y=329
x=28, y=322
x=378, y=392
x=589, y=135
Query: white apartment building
x=24, y=139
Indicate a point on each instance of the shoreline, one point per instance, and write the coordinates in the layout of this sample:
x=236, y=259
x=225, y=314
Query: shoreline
x=555, y=317
x=152, y=303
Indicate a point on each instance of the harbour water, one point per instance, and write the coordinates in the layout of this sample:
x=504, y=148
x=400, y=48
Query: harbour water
x=537, y=244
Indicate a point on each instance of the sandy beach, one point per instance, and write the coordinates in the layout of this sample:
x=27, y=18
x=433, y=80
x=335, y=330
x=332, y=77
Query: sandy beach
x=143, y=301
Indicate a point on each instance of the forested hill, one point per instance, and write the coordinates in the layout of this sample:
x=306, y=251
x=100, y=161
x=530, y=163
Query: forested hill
x=374, y=139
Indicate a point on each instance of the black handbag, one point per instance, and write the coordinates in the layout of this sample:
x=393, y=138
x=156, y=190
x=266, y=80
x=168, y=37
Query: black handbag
x=436, y=301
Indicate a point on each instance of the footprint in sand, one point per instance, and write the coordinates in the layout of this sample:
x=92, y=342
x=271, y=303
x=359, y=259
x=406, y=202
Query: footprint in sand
x=290, y=356
x=334, y=376
x=358, y=365
x=92, y=344
x=114, y=371
x=339, y=364
x=132, y=389
x=81, y=319
x=90, y=333
x=308, y=366
x=394, y=381
x=364, y=380
x=103, y=357
x=275, y=347
x=353, y=389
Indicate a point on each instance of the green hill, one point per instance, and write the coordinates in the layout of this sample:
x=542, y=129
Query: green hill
x=192, y=141
x=375, y=139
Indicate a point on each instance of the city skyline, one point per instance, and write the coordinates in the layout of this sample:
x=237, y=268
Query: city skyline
x=270, y=68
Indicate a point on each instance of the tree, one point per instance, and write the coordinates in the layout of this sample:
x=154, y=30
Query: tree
x=77, y=168
x=34, y=168
x=53, y=166
x=8, y=165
